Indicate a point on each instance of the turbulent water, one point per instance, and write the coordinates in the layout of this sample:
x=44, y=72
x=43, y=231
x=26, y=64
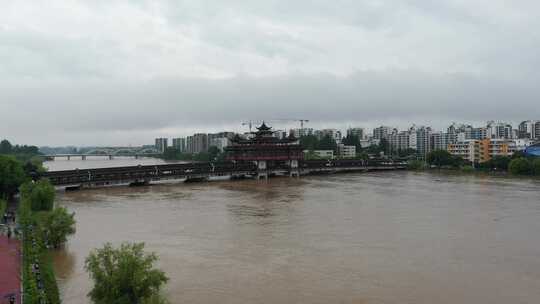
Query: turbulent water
x=389, y=237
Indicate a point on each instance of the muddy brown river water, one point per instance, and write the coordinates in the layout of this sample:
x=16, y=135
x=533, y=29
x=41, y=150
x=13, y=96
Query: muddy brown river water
x=389, y=237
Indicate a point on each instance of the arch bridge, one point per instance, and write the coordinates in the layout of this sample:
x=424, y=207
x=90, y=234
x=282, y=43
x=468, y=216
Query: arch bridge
x=109, y=153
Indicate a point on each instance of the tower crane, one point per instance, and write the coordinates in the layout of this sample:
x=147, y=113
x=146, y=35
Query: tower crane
x=250, y=123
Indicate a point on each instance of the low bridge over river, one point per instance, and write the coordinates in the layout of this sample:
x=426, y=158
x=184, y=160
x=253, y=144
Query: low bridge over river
x=109, y=153
x=204, y=170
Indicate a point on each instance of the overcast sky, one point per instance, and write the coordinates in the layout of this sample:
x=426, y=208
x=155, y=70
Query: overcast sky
x=108, y=72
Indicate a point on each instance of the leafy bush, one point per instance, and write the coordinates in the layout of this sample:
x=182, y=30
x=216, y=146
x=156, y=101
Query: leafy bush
x=11, y=175
x=40, y=194
x=520, y=166
x=440, y=158
x=124, y=275
x=536, y=166
x=416, y=165
x=467, y=169
x=3, y=206
x=57, y=225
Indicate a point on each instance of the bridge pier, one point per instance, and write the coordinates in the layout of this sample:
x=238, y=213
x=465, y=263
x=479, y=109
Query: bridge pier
x=294, y=171
x=262, y=171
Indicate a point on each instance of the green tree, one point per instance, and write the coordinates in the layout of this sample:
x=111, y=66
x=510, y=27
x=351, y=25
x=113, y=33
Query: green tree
x=40, y=194
x=124, y=275
x=518, y=154
x=213, y=153
x=5, y=147
x=327, y=143
x=416, y=165
x=11, y=175
x=536, y=166
x=3, y=206
x=520, y=166
x=409, y=152
x=384, y=145
x=440, y=158
x=458, y=161
x=353, y=140
x=362, y=155
x=499, y=163
x=309, y=142
x=171, y=153
x=57, y=225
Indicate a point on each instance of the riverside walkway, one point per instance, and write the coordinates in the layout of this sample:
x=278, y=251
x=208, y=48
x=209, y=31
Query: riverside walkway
x=10, y=269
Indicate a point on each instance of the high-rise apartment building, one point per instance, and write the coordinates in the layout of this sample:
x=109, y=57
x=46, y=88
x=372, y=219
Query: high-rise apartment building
x=197, y=143
x=161, y=144
x=382, y=132
x=529, y=129
x=404, y=140
x=301, y=132
x=179, y=144
x=220, y=142
x=499, y=130
x=423, y=141
x=358, y=132
x=333, y=133
x=439, y=141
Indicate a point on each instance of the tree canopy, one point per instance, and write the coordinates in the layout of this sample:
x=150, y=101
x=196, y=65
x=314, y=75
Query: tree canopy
x=124, y=275
x=497, y=163
x=536, y=166
x=57, y=225
x=520, y=166
x=352, y=140
x=440, y=158
x=327, y=143
x=41, y=194
x=11, y=175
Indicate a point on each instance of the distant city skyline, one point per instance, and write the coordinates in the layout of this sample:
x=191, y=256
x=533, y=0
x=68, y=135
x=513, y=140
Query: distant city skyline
x=171, y=134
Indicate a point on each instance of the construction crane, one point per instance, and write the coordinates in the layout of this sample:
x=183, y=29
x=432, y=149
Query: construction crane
x=302, y=121
x=251, y=122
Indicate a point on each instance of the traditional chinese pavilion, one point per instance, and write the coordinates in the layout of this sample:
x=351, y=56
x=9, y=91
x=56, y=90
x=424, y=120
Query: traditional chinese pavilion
x=268, y=151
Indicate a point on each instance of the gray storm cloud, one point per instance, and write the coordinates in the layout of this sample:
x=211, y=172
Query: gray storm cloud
x=78, y=72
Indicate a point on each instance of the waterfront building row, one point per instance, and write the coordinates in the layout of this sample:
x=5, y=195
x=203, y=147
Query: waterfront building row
x=483, y=150
x=421, y=139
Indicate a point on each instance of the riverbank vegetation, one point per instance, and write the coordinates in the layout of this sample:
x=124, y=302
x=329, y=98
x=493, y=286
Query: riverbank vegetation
x=3, y=207
x=23, y=153
x=43, y=227
x=38, y=277
x=518, y=164
x=11, y=176
x=18, y=164
x=125, y=275
x=524, y=166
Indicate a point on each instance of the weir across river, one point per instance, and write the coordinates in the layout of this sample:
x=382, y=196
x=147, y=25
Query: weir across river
x=137, y=175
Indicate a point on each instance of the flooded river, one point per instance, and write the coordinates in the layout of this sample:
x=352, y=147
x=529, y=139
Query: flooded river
x=389, y=237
